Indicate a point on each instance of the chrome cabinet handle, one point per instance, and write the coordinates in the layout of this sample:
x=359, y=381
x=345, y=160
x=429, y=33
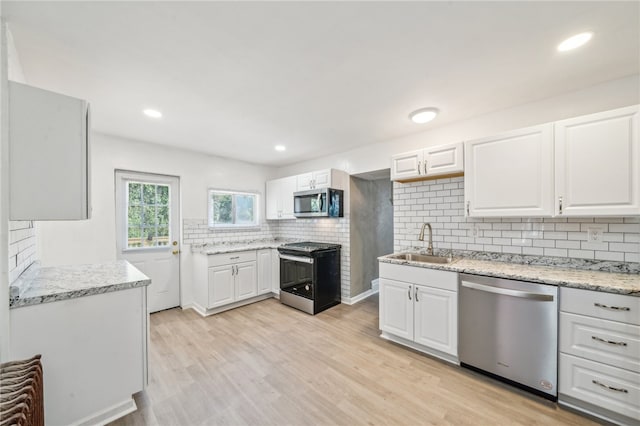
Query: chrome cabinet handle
x=468, y=206
x=417, y=300
x=419, y=162
x=559, y=205
x=425, y=167
x=611, y=342
x=233, y=270
x=613, y=308
x=236, y=269
x=602, y=385
x=409, y=292
x=234, y=257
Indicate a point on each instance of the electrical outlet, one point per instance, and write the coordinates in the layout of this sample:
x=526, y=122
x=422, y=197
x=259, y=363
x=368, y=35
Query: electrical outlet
x=594, y=234
x=475, y=230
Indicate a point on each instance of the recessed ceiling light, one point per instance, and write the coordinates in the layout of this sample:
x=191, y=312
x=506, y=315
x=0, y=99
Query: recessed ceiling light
x=423, y=115
x=280, y=148
x=152, y=113
x=575, y=41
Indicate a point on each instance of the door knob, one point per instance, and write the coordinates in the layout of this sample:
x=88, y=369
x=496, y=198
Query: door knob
x=175, y=243
x=175, y=252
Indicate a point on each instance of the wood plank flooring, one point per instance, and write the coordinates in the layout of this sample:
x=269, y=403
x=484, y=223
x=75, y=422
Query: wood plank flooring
x=268, y=364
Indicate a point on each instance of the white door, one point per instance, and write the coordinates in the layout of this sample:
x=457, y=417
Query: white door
x=598, y=164
x=436, y=319
x=148, y=231
x=443, y=160
x=264, y=271
x=407, y=165
x=510, y=174
x=396, y=308
x=221, y=285
x=246, y=282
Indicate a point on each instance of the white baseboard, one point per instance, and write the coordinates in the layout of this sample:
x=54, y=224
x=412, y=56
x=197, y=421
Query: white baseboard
x=355, y=299
x=109, y=414
x=429, y=351
x=206, y=312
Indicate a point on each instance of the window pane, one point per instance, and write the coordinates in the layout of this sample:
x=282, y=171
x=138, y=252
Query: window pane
x=135, y=195
x=162, y=237
x=244, y=209
x=134, y=239
x=163, y=215
x=149, y=237
x=222, y=209
x=135, y=215
x=149, y=215
x=163, y=195
x=149, y=193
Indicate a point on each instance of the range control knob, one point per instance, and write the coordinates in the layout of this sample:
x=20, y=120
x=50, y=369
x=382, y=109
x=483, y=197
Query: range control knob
x=307, y=287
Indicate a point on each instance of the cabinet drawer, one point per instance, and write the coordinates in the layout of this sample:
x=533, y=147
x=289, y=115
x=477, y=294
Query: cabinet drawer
x=229, y=258
x=612, y=388
x=445, y=280
x=616, y=307
x=613, y=343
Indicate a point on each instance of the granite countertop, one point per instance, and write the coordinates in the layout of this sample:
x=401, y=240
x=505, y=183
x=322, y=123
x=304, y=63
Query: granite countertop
x=610, y=282
x=239, y=246
x=51, y=284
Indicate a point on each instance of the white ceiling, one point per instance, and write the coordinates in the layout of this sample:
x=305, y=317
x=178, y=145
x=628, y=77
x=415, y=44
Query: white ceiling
x=236, y=78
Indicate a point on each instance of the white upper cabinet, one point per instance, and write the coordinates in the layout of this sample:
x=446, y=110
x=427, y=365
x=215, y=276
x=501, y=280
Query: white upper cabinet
x=48, y=155
x=318, y=179
x=406, y=165
x=429, y=162
x=597, y=162
x=510, y=174
x=279, y=198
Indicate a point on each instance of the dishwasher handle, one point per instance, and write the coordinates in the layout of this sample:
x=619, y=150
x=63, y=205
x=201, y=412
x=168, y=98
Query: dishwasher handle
x=508, y=292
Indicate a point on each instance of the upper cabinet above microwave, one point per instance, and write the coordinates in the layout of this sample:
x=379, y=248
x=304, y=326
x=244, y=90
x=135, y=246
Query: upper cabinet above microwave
x=427, y=163
x=583, y=166
x=48, y=155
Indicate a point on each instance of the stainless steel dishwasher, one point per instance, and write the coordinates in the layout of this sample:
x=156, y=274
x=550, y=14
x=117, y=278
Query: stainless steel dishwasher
x=509, y=329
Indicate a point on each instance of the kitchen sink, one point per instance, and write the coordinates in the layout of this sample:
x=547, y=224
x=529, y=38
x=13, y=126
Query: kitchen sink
x=415, y=257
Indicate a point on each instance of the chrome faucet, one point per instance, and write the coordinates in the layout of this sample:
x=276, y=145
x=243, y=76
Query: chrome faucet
x=421, y=237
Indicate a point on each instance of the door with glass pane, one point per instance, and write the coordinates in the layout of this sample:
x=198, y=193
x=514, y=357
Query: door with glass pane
x=147, y=227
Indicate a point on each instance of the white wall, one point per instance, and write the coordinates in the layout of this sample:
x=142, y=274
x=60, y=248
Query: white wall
x=94, y=240
x=4, y=198
x=601, y=97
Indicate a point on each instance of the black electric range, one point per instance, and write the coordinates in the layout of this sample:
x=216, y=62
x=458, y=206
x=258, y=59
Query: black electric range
x=310, y=275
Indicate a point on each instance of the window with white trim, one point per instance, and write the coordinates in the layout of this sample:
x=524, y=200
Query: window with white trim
x=232, y=209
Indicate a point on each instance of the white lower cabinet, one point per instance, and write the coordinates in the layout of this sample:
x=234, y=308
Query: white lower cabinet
x=226, y=281
x=599, y=362
x=419, y=308
x=265, y=274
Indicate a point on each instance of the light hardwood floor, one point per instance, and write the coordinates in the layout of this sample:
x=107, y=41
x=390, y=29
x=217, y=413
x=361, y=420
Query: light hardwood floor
x=268, y=364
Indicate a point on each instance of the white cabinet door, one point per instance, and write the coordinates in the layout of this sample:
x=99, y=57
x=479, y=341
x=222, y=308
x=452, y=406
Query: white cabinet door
x=272, y=199
x=49, y=155
x=444, y=160
x=275, y=271
x=304, y=182
x=289, y=185
x=396, y=308
x=246, y=282
x=221, y=286
x=436, y=318
x=407, y=165
x=322, y=179
x=597, y=162
x=510, y=174
x=264, y=271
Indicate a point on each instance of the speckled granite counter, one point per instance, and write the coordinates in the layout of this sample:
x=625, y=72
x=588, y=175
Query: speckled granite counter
x=50, y=284
x=240, y=246
x=622, y=283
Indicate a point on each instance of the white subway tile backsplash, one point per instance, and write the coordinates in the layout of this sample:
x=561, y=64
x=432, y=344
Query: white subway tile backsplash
x=558, y=237
x=22, y=247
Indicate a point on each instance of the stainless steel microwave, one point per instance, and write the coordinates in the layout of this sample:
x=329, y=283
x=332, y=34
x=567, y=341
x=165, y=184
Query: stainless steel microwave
x=325, y=202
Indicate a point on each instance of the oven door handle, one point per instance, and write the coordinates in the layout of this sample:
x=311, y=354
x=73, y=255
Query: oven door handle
x=296, y=258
